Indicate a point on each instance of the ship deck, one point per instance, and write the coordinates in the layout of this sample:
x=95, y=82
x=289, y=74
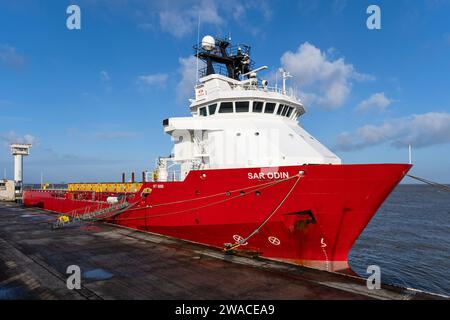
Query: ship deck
x=119, y=263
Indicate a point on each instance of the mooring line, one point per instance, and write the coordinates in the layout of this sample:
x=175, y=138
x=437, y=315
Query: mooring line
x=437, y=185
x=239, y=243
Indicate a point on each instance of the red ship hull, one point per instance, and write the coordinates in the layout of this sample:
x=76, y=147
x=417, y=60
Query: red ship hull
x=313, y=219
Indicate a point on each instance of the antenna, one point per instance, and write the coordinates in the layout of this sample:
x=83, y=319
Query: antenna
x=255, y=71
x=198, y=41
x=410, y=154
x=286, y=75
x=276, y=80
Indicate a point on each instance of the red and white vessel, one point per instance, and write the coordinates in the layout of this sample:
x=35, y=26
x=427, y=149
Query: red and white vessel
x=243, y=175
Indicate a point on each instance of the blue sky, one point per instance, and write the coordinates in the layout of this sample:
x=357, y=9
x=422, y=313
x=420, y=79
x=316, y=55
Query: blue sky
x=92, y=100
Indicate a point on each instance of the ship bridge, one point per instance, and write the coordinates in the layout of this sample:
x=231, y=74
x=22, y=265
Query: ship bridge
x=238, y=120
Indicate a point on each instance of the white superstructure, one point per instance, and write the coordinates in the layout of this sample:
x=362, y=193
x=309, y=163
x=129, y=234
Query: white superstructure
x=239, y=123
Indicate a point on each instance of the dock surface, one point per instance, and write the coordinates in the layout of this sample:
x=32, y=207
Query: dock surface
x=119, y=263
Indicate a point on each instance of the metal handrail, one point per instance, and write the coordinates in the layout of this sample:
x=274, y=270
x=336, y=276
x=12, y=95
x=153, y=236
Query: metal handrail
x=260, y=87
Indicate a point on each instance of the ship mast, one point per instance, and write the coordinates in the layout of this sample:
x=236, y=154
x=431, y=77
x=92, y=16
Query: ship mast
x=223, y=58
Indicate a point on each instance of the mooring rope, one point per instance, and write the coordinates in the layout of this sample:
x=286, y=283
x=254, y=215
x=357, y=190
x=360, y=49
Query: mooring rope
x=431, y=183
x=239, y=243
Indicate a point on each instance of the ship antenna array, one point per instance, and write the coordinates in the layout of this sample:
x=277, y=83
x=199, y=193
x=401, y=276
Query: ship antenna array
x=286, y=75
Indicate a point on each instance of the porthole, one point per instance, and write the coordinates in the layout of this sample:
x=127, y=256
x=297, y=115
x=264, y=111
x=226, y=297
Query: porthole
x=256, y=133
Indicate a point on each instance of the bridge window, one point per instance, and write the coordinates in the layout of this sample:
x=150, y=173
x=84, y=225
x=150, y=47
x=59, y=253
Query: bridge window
x=280, y=108
x=270, y=107
x=258, y=106
x=226, y=107
x=242, y=106
x=202, y=112
x=212, y=108
x=285, y=109
x=289, y=112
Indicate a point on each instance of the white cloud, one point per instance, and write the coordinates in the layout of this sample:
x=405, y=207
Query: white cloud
x=13, y=137
x=188, y=71
x=11, y=57
x=420, y=131
x=322, y=81
x=377, y=101
x=153, y=80
x=180, y=19
x=104, y=76
x=363, y=76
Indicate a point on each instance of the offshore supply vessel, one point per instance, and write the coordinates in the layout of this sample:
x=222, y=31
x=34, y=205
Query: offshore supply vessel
x=243, y=175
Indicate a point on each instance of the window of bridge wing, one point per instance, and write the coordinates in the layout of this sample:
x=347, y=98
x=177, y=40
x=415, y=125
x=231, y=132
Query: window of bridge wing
x=242, y=106
x=280, y=109
x=202, y=112
x=270, y=107
x=226, y=107
x=212, y=108
x=258, y=106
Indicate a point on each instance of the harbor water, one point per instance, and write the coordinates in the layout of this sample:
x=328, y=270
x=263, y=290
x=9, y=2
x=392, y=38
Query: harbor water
x=409, y=239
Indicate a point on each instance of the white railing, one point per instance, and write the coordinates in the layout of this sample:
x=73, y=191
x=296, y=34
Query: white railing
x=174, y=176
x=259, y=87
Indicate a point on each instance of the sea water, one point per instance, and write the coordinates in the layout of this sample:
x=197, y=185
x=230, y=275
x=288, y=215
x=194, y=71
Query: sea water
x=409, y=239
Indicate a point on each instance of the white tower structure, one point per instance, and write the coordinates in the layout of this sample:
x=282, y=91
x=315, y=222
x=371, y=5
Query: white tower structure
x=19, y=150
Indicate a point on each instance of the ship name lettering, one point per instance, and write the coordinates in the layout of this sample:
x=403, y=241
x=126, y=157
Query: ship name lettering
x=269, y=175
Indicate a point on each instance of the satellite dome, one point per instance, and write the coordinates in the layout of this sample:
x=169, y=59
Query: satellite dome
x=208, y=43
